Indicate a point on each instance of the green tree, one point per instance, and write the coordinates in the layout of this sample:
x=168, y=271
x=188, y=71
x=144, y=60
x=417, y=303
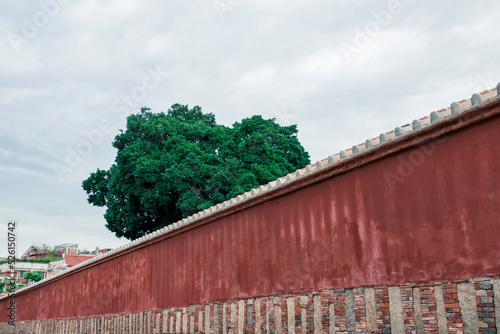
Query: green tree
x=172, y=165
x=33, y=276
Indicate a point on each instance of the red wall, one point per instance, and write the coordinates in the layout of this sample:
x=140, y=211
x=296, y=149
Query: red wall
x=351, y=229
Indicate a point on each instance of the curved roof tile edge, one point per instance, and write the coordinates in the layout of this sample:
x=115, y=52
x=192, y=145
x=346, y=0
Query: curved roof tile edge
x=455, y=109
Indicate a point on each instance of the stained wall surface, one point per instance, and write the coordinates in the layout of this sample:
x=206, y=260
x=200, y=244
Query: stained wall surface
x=425, y=210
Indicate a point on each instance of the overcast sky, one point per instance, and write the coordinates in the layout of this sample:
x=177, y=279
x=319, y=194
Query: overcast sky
x=343, y=71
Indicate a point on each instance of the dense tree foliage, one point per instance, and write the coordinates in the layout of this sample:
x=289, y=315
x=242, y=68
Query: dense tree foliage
x=33, y=276
x=172, y=165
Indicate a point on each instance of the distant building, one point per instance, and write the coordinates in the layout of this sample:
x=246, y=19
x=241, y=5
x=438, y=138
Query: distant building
x=34, y=252
x=68, y=261
x=29, y=253
x=66, y=248
x=21, y=268
x=68, y=253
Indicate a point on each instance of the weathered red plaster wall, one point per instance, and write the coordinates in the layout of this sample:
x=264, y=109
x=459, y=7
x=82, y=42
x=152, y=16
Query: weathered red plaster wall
x=438, y=220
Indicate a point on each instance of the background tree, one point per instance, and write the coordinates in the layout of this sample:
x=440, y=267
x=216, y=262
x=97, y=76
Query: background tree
x=33, y=276
x=169, y=166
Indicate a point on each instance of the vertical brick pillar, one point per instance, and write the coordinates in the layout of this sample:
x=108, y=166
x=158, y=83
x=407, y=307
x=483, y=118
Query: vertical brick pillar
x=325, y=310
x=485, y=306
x=428, y=307
x=452, y=307
x=263, y=318
x=304, y=302
x=382, y=307
x=270, y=305
x=209, y=318
x=278, y=315
x=250, y=317
x=284, y=315
x=225, y=317
x=408, y=315
x=339, y=302
x=360, y=310
x=233, y=319
x=310, y=314
x=195, y=313
x=298, y=315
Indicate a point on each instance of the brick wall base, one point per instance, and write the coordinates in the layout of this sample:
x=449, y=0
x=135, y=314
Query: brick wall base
x=466, y=306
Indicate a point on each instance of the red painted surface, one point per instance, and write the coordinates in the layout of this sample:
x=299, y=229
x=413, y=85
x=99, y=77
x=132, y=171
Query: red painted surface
x=439, y=220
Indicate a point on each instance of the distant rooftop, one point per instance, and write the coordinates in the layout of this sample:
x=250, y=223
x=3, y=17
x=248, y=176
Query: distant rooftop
x=74, y=259
x=66, y=245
